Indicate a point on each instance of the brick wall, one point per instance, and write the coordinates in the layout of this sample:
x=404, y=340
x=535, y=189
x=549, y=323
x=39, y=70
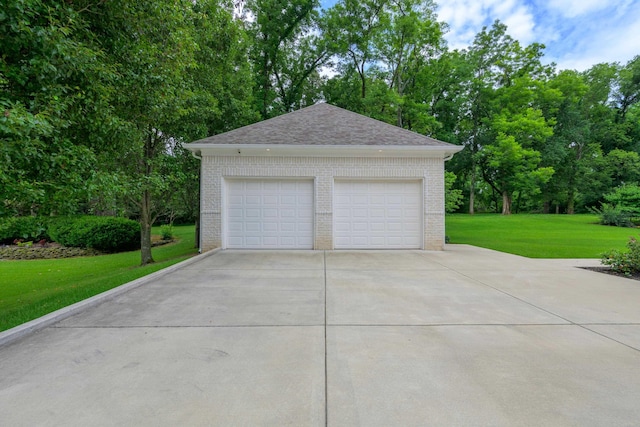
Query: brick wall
x=323, y=170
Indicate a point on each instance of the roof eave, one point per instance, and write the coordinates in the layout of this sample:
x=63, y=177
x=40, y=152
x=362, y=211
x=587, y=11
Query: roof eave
x=273, y=150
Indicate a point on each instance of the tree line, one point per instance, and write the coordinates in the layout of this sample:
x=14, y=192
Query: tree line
x=97, y=97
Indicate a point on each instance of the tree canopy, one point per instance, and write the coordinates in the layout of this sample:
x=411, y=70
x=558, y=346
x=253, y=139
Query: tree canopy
x=97, y=98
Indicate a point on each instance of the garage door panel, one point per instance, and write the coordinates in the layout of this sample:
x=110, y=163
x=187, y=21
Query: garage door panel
x=270, y=227
x=270, y=200
x=269, y=214
x=377, y=214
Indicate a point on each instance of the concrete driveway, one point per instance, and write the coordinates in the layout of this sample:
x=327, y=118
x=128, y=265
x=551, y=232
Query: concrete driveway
x=466, y=337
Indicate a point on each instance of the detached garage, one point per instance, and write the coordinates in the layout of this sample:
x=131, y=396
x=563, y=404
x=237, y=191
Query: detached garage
x=322, y=178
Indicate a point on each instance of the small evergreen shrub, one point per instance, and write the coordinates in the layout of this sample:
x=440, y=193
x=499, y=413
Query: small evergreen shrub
x=628, y=262
x=107, y=234
x=25, y=228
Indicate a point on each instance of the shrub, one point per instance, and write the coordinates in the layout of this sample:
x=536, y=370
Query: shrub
x=166, y=231
x=613, y=215
x=69, y=231
x=114, y=235
x=23, y=227
x=103, y=233
x=628, y=262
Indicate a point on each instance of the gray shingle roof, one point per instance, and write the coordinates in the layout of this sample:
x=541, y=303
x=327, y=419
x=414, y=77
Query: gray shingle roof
x=323, y=124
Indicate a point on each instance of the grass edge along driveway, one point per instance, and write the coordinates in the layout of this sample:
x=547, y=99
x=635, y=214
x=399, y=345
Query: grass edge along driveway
x=538, y=235
x=33, y=288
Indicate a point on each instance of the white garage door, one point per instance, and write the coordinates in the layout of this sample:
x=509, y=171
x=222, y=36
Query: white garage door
x=269, y=214
x=378, y=214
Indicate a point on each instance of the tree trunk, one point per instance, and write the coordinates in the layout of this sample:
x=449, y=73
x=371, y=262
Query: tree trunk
x=518, y=202
x=546, y=207
x=571, y=203
x=506, y=203
x=145, y=229
x=472, y=191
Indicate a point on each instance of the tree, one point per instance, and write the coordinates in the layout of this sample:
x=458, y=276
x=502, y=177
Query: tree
x=53, y=99
x=286, y=52
x=350, y=28
x=151, y=45
x=627, y=91
x=508, y=167
x=408, y=40
x=502, y=70
x=623, y=167
x=568, y=151
x=221, y=81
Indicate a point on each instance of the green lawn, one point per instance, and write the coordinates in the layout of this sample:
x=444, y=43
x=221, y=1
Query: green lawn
x=33, y=288
x=538, y=236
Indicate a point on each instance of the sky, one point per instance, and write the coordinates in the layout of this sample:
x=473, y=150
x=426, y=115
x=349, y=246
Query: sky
x=577, y=33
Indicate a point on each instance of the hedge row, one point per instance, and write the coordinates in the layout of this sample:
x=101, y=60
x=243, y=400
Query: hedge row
x=103, y=233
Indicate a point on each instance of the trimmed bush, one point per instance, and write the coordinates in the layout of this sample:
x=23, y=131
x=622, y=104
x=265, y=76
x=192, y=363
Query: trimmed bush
x=107, y=234
x=114, y=235
x=29, y=228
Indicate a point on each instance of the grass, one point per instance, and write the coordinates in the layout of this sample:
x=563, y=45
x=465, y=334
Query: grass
x=538, y=236
x=32, y=288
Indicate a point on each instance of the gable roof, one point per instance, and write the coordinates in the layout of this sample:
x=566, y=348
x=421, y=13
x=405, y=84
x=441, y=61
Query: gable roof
x=320, y=125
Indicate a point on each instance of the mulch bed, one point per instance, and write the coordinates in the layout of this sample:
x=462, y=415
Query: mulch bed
x=608, y=270
x=52, y=250
x=48, y=251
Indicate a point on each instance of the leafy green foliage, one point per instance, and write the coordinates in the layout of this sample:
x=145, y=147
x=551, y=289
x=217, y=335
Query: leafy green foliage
x=613, y=215
x=166, y=232
x=452, y=196
x=53, y=87
x=286, y=53
x=28, y=228
x=507, y=167
x=626, y=198
x=108, y=234
x=625, y=262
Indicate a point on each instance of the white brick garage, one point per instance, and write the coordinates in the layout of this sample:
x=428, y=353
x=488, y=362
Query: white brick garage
x=325, y=147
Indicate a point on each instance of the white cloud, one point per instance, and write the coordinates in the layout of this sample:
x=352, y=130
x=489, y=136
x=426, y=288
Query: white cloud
x=578, y=33
x=606, y=35
x=573, y=8
x=467, y=17
x=521, y=25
